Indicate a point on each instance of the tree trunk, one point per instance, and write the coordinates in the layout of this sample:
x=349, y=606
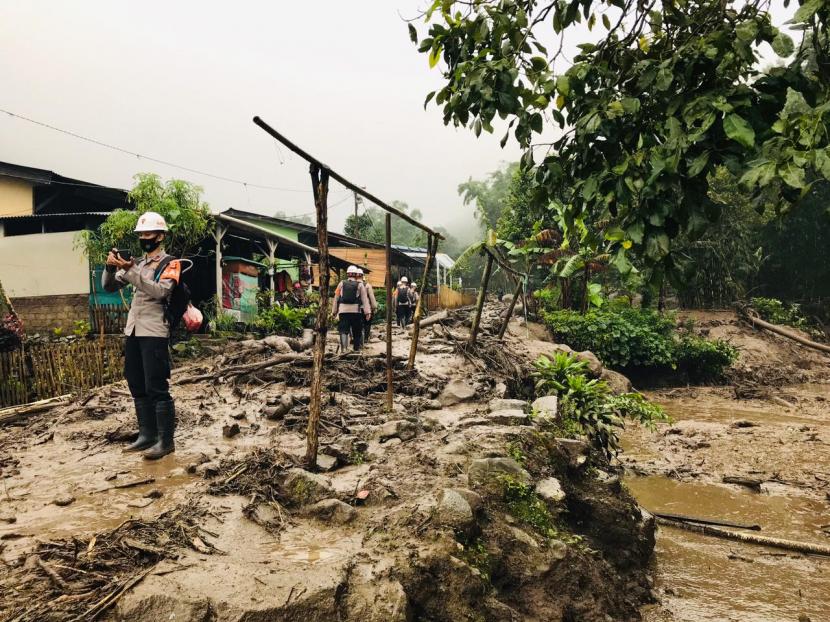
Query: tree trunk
x=482, y=294
x=389, y=377
x=510, y=310
x=432, y=247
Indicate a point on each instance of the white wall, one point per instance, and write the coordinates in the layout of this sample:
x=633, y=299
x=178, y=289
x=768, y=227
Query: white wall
x=42, y=264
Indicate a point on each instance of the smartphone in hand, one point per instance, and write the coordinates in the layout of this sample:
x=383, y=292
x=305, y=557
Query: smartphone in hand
x=124, y=254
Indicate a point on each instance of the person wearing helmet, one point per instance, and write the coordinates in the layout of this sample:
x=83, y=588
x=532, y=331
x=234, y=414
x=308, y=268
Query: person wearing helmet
x=146, y=348
x=403, y=302
x=351, y=306
x=373, y=305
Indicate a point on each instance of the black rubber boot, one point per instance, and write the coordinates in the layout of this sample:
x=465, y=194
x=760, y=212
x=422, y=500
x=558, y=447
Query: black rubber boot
x=166, y=422
x=344, y=342
x=147, y=431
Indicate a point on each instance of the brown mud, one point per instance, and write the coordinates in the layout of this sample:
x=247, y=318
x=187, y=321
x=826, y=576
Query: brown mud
x=413, y=521
x=770, y=427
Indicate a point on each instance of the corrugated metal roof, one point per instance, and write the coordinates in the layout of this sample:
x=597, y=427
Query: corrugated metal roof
x=105, y=214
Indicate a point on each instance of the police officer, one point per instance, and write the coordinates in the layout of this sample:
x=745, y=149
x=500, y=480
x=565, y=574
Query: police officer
x=349, y=299
x=373, y=304
x=403, y=302
x=146, y=349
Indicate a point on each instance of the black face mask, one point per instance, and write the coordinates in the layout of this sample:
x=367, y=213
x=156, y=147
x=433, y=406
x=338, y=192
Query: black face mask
x=148, y=246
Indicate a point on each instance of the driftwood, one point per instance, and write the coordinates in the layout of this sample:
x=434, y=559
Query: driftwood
x=706, y=521
x=432, y=319
x=749, y=482
x=132, y=484
x=773, y=328
x=236, y=370
x=717, y=532
x=53, y=575
x=7, y=415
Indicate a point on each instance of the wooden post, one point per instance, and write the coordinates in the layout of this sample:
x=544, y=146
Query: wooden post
x=320, y=187
x=272, y=254
x=432, y=247
x=218, y=234
x=482, y=294
x=389, y=378
x=512, y=306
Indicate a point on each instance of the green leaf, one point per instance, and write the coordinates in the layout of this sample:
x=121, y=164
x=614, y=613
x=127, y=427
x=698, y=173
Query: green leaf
x=536, y=122
x=563, y=85
x=792, y=175
x=589, y=189
x=664, y=79
x=806, y=11
x=823, y=162
x=477, y=127
x=620, y=168
x=606, y=22
x=747, y=31
x=698, y=164
x=614, y=234
x=782, y=45
x=434, y=56
x=631, y=105
x=413, y=34
x=428, y=99
x=739, y=130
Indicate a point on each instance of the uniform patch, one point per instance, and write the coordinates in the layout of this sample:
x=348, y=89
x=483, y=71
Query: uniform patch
x=172, y=271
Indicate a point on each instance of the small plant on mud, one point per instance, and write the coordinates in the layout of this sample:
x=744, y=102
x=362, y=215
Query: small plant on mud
x=635, y=406
x=516, y=451
x=705, y=360
x=552, y=373
x=282, y=320
x=474, y=553
x=357, y=457
x=774, y=311
x=528, y=507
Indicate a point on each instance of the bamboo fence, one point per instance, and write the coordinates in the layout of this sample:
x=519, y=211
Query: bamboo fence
x=44, y=371
x=109, y=319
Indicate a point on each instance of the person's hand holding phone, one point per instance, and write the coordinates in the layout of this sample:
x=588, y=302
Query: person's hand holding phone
x=115, y=259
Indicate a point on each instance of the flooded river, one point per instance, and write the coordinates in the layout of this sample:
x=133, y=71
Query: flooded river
x=703, y=579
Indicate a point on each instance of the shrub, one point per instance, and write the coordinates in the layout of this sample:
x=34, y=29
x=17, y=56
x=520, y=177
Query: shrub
x=552, y=374
x=547, y=299
x=620, y=338
x=704, y=360
x=774, y=311
x=281, y=319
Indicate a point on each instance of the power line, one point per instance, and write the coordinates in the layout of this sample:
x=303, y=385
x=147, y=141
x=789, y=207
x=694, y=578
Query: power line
x=148, y=158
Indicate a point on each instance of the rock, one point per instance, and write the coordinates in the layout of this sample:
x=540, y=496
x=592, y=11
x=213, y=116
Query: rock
x=473, y=498
x=743, y=423
x=207, y=469
x=302, y=487
x=488, y=473
x=432, y=405
x=471, y=422
x=455, y=392
x=279, y=408
x=154, y=494
x=331, y=511
x=376, y=601
x=546, y=409
x=550, y=490
x=399, y=428
x=63, y=500
x=500, y=389
x=229, y=431
x=616, y=381
x=594, y=364
x=454, y=510
x=508, y=417
x=504, y=404
x=326, y=463
x=525, y=538
x=576, y=450
x=507, y=299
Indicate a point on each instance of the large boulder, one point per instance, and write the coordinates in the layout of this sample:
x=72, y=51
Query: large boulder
x=399, y=428
x=616, y=381
x=594, y=364
x=455, y=392
x=454, y=510
x=489, y=473
x=302, y=487
x=332, y=511
x=546, y=409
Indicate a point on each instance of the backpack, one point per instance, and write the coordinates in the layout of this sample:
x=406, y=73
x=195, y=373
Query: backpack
x=349, y=293
x=179, y=298
x=404, y=296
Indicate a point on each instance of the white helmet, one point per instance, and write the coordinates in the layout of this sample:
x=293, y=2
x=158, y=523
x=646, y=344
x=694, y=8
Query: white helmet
x=150, y=221
x=404, y=279
x=360, y=271
x=352, y=270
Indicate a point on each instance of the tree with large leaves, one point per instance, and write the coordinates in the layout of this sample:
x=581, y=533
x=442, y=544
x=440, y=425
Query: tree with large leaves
x=661, y=95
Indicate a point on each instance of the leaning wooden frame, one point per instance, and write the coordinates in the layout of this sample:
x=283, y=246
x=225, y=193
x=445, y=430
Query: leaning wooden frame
x=320, y=174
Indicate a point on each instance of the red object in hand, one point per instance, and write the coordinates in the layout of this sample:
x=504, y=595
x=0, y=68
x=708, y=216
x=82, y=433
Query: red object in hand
x=192, y=319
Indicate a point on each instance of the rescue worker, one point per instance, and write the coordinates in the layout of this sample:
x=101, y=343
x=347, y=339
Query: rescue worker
x=373, y=305
x=146, y=348
x=403, y=302
x=413, y=290
x=349, y=299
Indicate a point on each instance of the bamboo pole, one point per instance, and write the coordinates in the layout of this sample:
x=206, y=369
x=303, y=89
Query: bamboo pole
x=482, y=294
x=320, y=187
x=432, y=247
x=717, y=532
x=389, y=378
x=516, y=295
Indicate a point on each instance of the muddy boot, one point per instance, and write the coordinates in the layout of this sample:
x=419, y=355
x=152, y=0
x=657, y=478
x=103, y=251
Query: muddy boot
x=344, y=342
x=147, y=431
x=166, y=422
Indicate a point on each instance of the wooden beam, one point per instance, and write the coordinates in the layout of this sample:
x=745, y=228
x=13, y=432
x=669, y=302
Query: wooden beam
x=432, y=247
x=320, y=188
x=389, y=378
x=218, y=234
x=482, y=294
x=353, y=187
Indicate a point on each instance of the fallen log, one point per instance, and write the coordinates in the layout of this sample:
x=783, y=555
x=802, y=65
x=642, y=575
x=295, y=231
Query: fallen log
x=749, y=482
x=752, y=317
x=432, y=319
x=13, y=413
x=717, y=532
x=705, y=521
x=236, y=370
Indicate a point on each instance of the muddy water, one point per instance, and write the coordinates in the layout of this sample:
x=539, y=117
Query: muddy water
x=703, y=579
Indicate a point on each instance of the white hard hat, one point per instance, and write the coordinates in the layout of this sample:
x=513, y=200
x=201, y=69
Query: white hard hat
x=352, y=270
x=150, y=221
x=404, y=279
x=360, y=271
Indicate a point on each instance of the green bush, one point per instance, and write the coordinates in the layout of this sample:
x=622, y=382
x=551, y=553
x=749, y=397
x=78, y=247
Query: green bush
x=552, y=373
x=620, y=338
x=774, y=311
x=547, y=298
x=704, y=360
x=282, y=320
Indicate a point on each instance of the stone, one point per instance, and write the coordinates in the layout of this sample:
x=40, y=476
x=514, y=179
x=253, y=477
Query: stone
x=488, y=473
x=63, y=500
x=616, y=381
x=331, y=511
x=471, y=422
x=576, y=451
x=154, y=494
x=229, y=431
x=326, y=463
x=546, y=409
x=743, y=423
x=500, y=390
x=505, y=404
x=550, y=490
x=399, y=428
x=454, y=510
x=207, y=469
x=303, y=487
x=473, y=498
x=432, y=405
x=455, y=392
x=508, y=417
x=525, y=538
x=594, y=364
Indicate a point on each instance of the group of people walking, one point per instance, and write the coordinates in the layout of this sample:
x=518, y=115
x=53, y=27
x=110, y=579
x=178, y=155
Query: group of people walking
x=355, y=306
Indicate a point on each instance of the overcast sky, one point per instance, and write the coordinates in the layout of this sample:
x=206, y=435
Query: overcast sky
x=181, y=81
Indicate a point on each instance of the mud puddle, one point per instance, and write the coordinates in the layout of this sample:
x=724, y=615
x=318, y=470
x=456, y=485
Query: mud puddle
x=703, y=579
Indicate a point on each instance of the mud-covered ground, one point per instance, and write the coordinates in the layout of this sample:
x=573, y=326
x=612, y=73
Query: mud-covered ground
x=452, y=507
